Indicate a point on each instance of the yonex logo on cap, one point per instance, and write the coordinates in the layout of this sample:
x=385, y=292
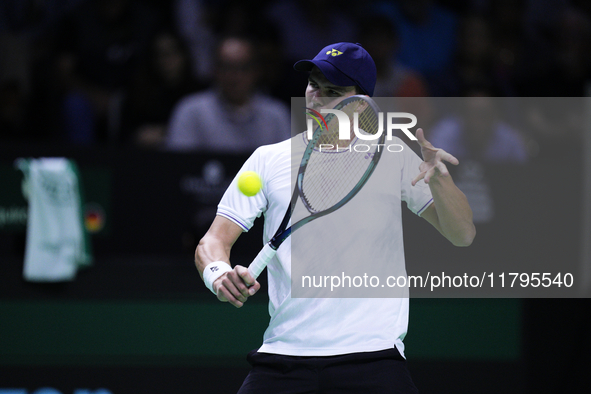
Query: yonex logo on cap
x=334, y=52
x=344, y=64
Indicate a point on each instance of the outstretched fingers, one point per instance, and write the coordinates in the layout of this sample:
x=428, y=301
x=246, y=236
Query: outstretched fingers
x=434, y=158
x=420, y=134
x=443, y=155
x=418, y=177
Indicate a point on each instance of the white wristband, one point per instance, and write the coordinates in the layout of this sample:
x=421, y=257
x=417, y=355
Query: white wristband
x=213, y=271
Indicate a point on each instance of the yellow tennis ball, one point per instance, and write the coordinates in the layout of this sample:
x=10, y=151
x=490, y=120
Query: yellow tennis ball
x=249, y=183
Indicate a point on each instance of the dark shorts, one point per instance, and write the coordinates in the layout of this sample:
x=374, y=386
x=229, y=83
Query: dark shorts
x=381, y=372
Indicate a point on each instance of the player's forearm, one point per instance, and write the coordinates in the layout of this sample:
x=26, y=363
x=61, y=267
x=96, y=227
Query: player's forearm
x=208, y=251
x=216, y=243
x=453, y=211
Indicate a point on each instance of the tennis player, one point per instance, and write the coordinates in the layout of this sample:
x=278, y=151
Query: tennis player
x=332, y=345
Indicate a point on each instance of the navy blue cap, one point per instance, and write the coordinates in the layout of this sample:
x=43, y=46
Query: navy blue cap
x=344, y=64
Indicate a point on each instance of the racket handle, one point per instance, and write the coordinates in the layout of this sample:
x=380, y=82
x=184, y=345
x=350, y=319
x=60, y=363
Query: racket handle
x=260, y=262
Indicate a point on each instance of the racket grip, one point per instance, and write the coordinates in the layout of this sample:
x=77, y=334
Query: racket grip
x=260, y=262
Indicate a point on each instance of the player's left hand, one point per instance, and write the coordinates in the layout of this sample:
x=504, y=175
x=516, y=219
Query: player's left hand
x=433, y=160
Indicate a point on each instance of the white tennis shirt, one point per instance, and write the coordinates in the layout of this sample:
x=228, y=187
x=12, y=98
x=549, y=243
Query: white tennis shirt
x=331, y=326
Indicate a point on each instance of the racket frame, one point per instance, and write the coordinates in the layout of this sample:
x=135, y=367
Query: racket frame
x=282, y=233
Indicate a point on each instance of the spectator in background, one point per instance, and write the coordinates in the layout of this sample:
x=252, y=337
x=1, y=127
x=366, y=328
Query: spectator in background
x=236, y=17
x=478, y=135
x=556, y=123
x=378, y=36
x=305, y=25
x=477, y=130
x=275, y=80
x=102, y=43
x=231, y=117
x=509, y=49
x=32, y=19
x=239, y=18
x=14, y=123
x=26, y=44
x=473, y=62
x=193, y=22
x=427, y=34
x=568, y=54
x=160, y=82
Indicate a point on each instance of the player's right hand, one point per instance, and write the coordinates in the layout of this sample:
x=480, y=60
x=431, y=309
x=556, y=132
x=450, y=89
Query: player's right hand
x=236, y=286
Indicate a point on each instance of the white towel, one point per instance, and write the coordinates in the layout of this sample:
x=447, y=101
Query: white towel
x=56, y=240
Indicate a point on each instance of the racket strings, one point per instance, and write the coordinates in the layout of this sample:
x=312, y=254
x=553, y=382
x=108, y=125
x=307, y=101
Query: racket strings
x=329, y=179
x=368, y=123
x=331, y=135
x=332, y=174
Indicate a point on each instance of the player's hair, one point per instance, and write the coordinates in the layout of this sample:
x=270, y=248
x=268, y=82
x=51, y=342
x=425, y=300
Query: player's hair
x=243, y=38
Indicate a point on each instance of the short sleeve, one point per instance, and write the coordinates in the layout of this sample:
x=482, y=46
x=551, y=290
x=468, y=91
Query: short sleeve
x=239, y=208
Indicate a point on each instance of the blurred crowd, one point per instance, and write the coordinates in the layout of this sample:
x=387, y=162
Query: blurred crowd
x=217, y=75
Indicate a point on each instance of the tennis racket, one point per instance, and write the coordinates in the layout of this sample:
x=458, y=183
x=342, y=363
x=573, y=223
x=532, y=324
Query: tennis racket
x=324, y=184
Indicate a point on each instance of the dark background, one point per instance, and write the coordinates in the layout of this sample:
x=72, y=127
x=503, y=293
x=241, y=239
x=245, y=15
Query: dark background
x=139, y=320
